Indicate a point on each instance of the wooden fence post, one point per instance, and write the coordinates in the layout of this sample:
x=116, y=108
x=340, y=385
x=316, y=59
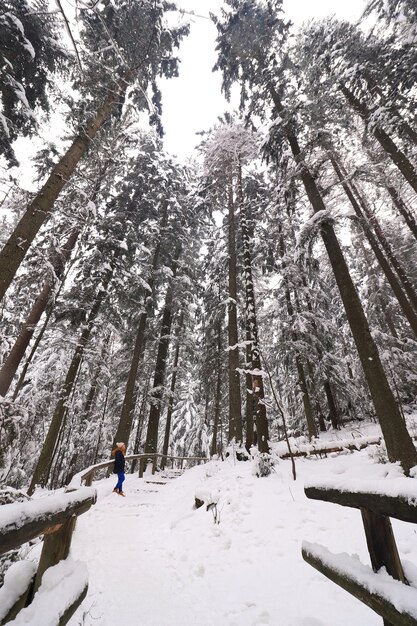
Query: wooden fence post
x=381, y=545
x=141, y=467
x=56, y=547
x=154, y=463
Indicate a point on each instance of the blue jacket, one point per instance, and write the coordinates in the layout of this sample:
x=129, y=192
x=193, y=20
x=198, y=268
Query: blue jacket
x=119, y=462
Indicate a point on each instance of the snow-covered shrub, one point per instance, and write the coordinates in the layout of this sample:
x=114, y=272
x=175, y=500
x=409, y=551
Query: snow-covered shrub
x=378, y=453
x=263, y=464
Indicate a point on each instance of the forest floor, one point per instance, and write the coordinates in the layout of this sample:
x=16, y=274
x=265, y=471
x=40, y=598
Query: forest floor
x=155, y=560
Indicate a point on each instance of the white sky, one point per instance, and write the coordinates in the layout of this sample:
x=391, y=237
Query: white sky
x=193, y=101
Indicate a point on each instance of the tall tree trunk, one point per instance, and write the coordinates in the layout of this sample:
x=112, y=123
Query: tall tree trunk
x=160, y=369
x=125, y=423
x=403, y=209
x=397, y=156
x=385, y=245
x=39, y=209
x=141, y=420
x=11, y=364
x=257, y=386
x=235, y=402
x=172, y=390
x=333, y=412
x=43, y=466
x=399, y=444
x=217, y=393
x=37, y=341
x=302, y=382
x=404, y=126
x=404, y=303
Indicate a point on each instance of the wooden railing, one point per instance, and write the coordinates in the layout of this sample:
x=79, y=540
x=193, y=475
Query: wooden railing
x=53, y=517
x=371, y=588
x=87, y=477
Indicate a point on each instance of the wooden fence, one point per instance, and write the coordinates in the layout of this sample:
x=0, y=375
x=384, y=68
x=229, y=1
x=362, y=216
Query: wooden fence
x=87, y=477
x=376, y=510
x=53, y=517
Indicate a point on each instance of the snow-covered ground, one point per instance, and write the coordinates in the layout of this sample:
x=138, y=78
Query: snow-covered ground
x=155, y=560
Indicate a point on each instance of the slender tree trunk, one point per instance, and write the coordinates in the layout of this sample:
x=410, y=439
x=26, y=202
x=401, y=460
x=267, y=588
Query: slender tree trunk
x=302, y=383
x=404, y=126
x=404, y=303
x=397, y=156
x=257, y=386
x=172, y=390
x=333, y=412
x=403, y=209
x=217, y=396
x=160, y=370
x=399, y=444
x=38, y=339
x=385, y=245
x=141, y=419
x=39, y=209
x=235, y=403
x=16, y=354
x=125, y=423
x=43, y=466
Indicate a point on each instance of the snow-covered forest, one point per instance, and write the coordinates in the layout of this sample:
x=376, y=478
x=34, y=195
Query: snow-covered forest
x=254, y=304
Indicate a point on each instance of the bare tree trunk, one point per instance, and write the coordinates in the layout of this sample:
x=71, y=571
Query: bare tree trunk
x=403, y=209
x=217, y=396
x=125, y=423
x=38, y=339
x=39, y=209
x=43, y=466
x=16, y=354
x=160, y=369
x=172, y=390
x=235, y=402
x=396, y=155
x=257, y=386
x=399, y=444
x=404, y=303
x=302, y=383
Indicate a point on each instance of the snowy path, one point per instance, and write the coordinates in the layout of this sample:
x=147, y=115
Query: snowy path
x=156, y=561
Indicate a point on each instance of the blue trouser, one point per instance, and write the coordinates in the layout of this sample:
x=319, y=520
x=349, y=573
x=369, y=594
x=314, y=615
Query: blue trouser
x=121, y=477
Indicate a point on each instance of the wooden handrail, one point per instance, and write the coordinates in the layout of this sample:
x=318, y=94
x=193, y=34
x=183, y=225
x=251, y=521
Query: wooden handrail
x=376, y=509
x=87, y=476
x=399, y=507
x=25, y=521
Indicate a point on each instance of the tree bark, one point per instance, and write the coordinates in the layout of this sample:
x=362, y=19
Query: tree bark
x=11, y=364
x=235, y=402
x=399, y=444
x=396, y=155
x=157, y=392
x=302, y=383
x=217, y=397
x=405, y=305
x=257, y=386
x=39, y=209
x=125, y=423
x=43, y=466
x=172, y=390
x=403, y=210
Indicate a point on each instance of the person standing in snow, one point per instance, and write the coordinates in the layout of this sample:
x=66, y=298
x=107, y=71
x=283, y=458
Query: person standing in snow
x=119, y=466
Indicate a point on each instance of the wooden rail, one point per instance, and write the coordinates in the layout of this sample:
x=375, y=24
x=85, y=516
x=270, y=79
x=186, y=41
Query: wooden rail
x=53, y=517
x=376, y=509
x=87, y=477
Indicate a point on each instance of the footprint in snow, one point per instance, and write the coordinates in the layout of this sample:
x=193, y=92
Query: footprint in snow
x=263, y=618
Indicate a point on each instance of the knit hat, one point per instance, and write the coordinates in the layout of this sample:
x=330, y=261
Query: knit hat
x=120, y=444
